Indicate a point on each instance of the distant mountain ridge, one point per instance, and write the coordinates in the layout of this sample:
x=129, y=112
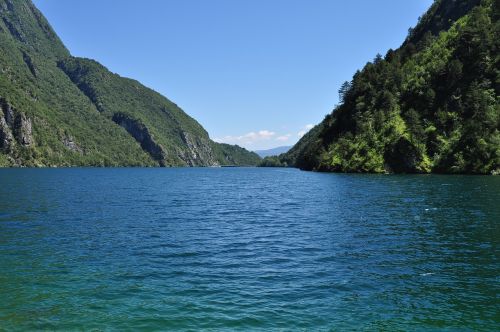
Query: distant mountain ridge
x=273, y=152
x=433, y=105
x=58, y=110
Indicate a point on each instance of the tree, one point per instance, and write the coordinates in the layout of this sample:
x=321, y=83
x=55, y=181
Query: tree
x=344, y=90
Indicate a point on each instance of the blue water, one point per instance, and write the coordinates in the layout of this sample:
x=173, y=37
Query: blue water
x=247, y=249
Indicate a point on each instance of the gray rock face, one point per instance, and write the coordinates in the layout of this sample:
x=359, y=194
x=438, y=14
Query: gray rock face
x=6, y=123
x=24, y=130
x=199, y=152
x=70, y=144
x=6, y=136
x=14, y=125
x=8, y=112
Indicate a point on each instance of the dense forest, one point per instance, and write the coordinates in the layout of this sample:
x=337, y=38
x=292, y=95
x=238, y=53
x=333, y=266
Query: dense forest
x=58, y=110
x=430, y=106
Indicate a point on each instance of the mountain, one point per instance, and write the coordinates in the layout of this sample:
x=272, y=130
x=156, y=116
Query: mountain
x=234, y=155
x=59, y=110
x=273, y=152
x=430, y=106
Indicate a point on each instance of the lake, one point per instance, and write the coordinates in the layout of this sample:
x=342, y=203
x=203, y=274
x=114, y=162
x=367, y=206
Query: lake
x=247, y=249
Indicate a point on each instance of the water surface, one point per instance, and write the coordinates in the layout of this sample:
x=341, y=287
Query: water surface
x=247, y=249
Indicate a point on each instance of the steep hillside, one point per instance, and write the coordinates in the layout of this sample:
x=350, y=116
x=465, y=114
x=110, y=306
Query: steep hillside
x=430, y=106
x=234, y=155
x=163, y=130
x=57, y=110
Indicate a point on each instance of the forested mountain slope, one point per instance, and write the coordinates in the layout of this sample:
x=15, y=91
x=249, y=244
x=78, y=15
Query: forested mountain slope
x=430, y=106
x=57, y=110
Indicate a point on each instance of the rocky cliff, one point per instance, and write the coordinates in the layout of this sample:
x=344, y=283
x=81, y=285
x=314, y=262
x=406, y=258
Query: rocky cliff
x=58, y=110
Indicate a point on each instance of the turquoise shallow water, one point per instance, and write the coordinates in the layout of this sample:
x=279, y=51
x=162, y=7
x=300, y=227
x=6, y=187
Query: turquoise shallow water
x=247, y=249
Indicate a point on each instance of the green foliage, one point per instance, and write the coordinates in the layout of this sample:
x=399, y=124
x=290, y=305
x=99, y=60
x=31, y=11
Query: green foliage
x=56, y=106
x=272, y=161
x=4, y=161
x=432, y=105
x=233, y=155
x=179, y=136
x=73, y=105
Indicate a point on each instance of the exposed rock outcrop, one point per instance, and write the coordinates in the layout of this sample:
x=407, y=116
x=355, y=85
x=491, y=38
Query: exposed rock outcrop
x=199, y=151
x=6, y=136
x=51, y=94
x=71, y=145
x=8, y=112
x=23, y=130
x=14, y=125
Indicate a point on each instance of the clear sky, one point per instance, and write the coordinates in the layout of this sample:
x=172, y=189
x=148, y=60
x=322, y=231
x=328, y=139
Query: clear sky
x=257, y=73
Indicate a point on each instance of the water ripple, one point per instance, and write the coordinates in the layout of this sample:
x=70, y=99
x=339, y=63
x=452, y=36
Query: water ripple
x=247, y=249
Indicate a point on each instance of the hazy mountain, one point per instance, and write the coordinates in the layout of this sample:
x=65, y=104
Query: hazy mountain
x=273, y=152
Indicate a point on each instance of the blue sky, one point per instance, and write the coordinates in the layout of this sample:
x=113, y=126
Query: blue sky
x=257, y=73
